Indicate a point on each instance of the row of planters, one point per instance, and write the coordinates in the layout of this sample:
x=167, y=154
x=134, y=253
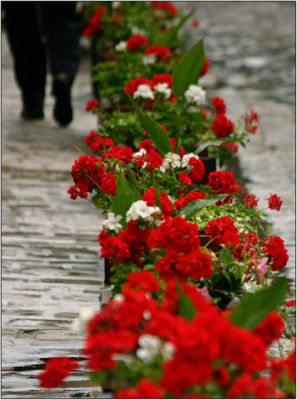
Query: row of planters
x=196, y=301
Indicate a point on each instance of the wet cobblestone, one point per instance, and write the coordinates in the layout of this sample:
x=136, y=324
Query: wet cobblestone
x=50, y=263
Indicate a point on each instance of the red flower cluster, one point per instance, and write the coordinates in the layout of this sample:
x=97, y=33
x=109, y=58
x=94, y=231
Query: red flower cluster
x=219, y=105
x=198, y=169
x=270, y=328
x=224, y=182
x=161, y=52
x=274, y=202
x=222, y=126
x=80, y=190
x=223, y=231
x=250, y=200
x=274, y=247
x=92, y=105
x=56, y=370
x=145, y=389
x=249, y=119
x=134, y=83
x=95, y=22
x=132, y=86
x=165, y=6
x=137, y=41
x=183, y=258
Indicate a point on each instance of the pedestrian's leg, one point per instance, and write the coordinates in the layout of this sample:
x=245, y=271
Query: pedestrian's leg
x=63, y=27
x=28, y=52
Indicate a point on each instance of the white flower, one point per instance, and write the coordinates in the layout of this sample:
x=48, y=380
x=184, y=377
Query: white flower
x=186, y=159
x=140, y=153
x=79, y=324
x=167, y=350
x=164, y=89
x=140, y=209
x=146, y=315
x=121, y=46
x=119, y=298
x=150, y=346
x=195, y=94
x=170, y=160
x=144, y=91
x=150, y=59
x=112, y=222
x=115, y=4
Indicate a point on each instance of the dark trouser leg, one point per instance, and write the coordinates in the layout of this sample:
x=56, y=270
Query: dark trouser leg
x=63, y=27
x=27, y=49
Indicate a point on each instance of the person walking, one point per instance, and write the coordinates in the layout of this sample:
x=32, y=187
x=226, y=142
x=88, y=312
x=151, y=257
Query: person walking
x=39, y=32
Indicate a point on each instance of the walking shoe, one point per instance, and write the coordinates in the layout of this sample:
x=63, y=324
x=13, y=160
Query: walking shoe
x=31, y=113
x=63, y=108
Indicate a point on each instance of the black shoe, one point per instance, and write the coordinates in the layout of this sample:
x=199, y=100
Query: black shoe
x=31, y=113
x=63, y=108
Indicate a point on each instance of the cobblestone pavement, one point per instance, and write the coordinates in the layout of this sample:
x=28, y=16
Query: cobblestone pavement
x=50, y=263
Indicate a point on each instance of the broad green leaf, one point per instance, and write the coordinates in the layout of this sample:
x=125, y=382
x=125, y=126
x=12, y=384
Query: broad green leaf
x=158, y=136
x=188, y=70
x=185, y=306
x=226, y=256
x=214, y=142
x=154, y=131
x=168, y=37
x=191, y=208
x=124, y=197
x=253, y=309
x=133, y=182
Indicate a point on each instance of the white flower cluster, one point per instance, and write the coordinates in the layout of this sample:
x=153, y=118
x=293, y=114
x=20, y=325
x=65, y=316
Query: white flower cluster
x=195, y=95
x=121, y=46
x=150, y=346
x=164, y=89
x=186, y=159
x=140, y=153
x=112, y=222
x=140, y=209
x=79, y=324
x=149, y=60
x=171, y=160
x=144, y=91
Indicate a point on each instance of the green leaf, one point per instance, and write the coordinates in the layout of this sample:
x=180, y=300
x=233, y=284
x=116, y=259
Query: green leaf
x=188, y=70
x=191, y=208
x=124, y=197
x=99, y=377
x=133, y=182
x=226, y=256
x=213, y=142
x=167, y=38
x=96, y=200
x=158, y=137
x=155, y=132
x=185, y=306
x=253, y=309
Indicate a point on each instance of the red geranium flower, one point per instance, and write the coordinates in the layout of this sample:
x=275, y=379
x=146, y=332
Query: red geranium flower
x=250, y=200
x=161, y=52
x=56, y=370
x=222, y=126
x=92, y=105
x=219, y=105
x=136, y=42
x=274, y=202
